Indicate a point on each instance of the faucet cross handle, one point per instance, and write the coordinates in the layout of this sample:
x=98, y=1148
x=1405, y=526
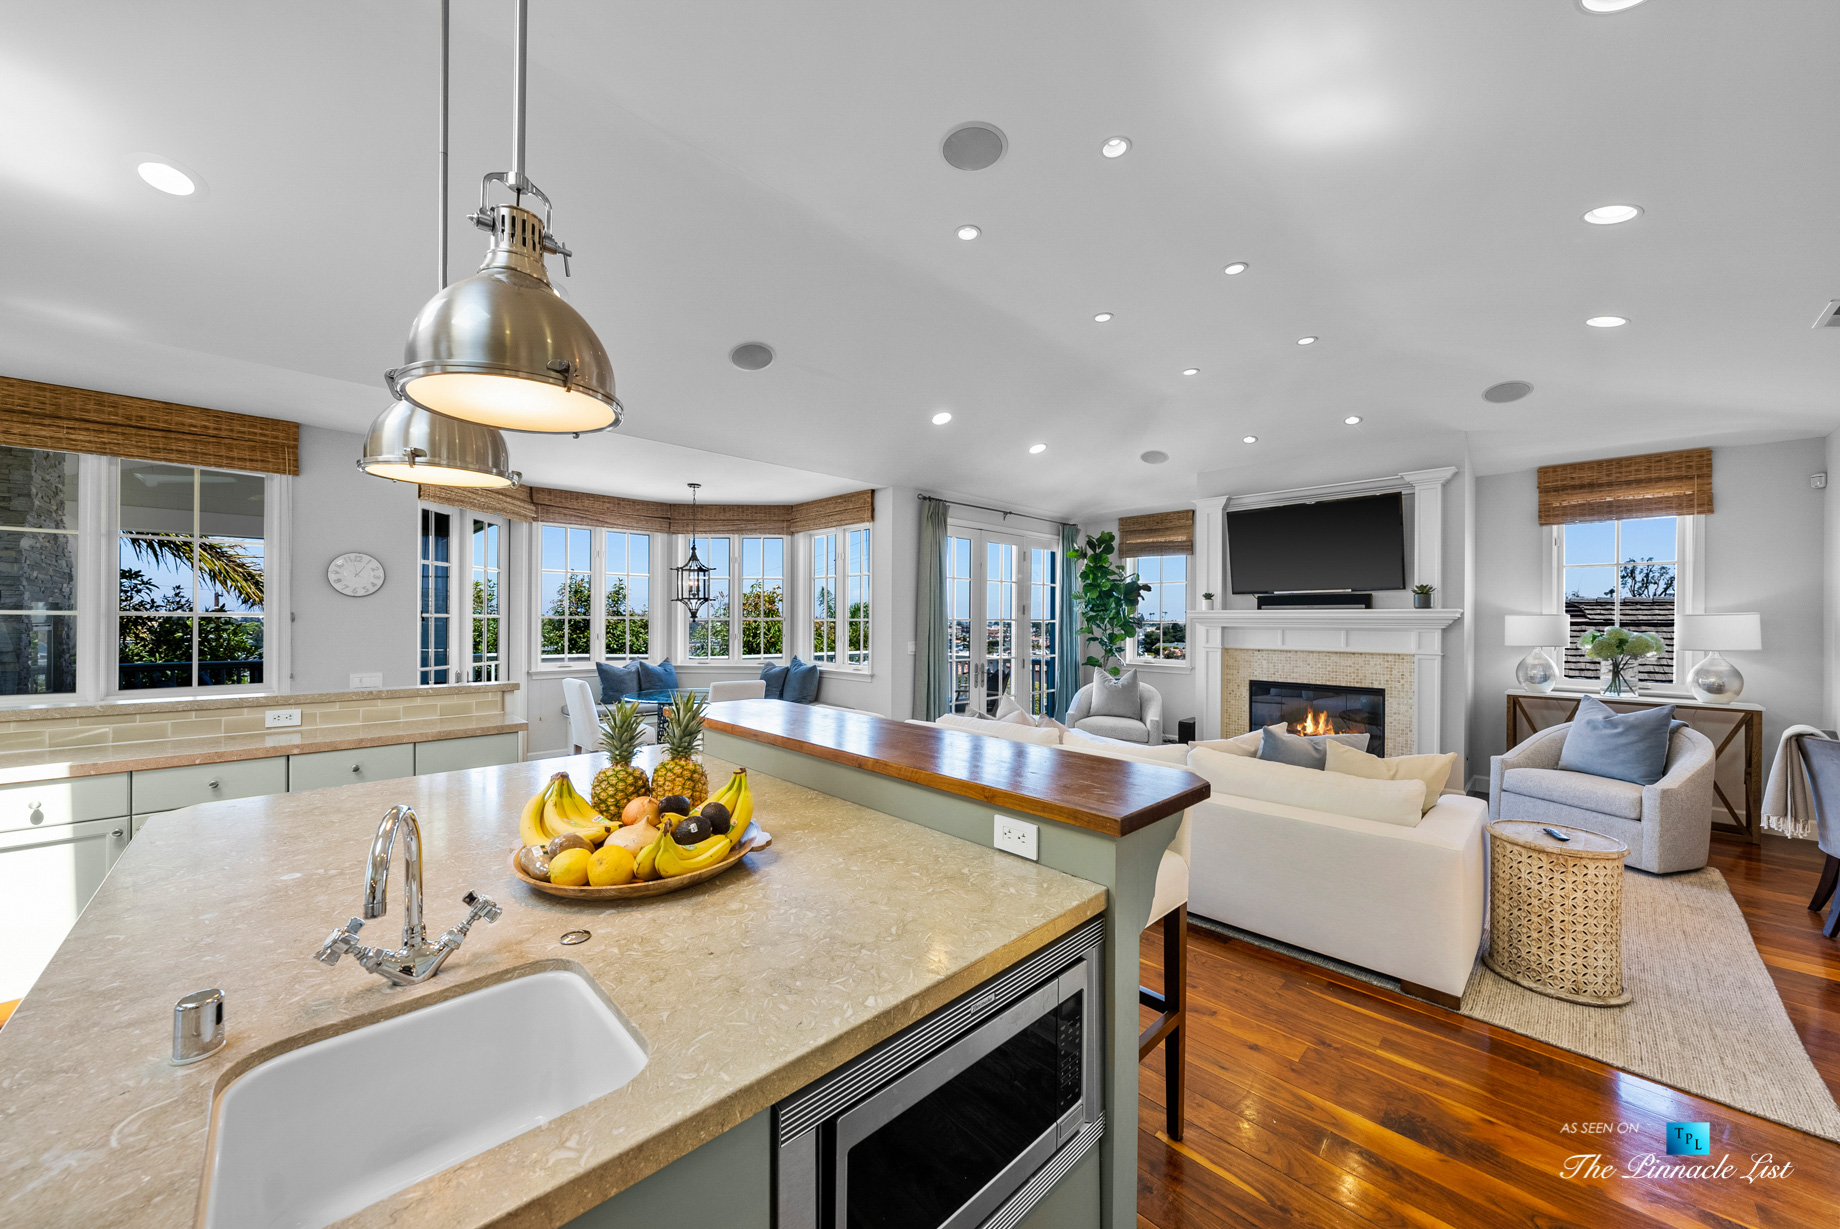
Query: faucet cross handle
x=339, y=942
x=482, y=907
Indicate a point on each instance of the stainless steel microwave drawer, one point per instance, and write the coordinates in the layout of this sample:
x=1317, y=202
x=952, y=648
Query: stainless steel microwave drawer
x=163, y=789
x=43, y=804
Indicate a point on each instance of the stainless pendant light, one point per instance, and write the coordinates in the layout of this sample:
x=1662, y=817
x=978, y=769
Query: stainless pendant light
x=502, y=347
x=410, y=444
x=693, y=588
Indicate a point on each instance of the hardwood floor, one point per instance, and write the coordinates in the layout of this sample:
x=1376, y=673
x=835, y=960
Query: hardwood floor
x=1318, y=1100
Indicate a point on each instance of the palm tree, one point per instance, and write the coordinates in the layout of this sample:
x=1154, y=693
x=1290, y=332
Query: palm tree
x=226, y=566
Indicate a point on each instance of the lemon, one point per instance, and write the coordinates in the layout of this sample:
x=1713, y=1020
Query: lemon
x=611, y=865
x=570, y=868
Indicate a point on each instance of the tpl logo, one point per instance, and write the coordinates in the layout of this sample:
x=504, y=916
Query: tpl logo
x=1689, y=1138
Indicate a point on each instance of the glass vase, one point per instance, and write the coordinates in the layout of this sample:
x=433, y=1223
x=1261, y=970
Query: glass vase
x=1620, y=677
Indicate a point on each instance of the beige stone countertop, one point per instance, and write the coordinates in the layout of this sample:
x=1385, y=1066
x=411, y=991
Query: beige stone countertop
x=104, y=758
x=852, y=925
x=193, y=701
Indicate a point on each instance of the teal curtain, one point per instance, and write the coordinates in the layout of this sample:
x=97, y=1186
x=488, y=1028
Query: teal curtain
x=1066, y=632
x=933, y=694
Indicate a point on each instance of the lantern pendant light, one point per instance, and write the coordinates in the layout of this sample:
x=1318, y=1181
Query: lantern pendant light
x=410, y=444
x=693, y=588
x=502, y=347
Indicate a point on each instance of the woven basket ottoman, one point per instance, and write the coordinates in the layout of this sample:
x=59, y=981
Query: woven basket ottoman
x=1556, y=911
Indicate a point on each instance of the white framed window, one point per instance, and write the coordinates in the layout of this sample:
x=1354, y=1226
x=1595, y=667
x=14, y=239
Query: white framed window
x=39, y=517
x=1044, y=631
x=628, y=585
x=461, y=566
x=746, y=618
x=709, y=632
x=841, y=597
x=593, y=595
x=565, y=593
x=991, y=602
x=1162, y=612
x=191, y=578
x=434, y=552
x=485, y=634
x=824, y=601
x=762, y=617
x=1637, y=574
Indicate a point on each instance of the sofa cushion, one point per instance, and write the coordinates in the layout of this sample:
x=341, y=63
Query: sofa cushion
x=1116, y=697
x=1433, y=770
x=1623, y=746
x=1388, y=802
x=775, y=679
x=1604, y=795
x=1125, y=729
x=1239, y=744
x=617, y=682
x=1171, y=885
x=1281, y=748
x=1000, y=729
x=658, y=677
x=801, y=683
x=1172, y=753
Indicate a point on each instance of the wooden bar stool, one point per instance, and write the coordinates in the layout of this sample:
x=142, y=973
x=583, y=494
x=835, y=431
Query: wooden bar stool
x=1170, y=1028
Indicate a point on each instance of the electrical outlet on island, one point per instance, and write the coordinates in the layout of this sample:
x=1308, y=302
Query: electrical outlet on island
x=1017, y=836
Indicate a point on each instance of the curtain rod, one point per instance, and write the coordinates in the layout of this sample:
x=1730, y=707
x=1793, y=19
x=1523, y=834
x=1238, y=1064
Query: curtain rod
x=1003, y=512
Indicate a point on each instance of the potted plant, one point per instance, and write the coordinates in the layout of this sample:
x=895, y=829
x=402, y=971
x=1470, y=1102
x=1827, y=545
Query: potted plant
x=1619, y=650
x=1209, y=599
x=1106, y=599
x=1421, y=596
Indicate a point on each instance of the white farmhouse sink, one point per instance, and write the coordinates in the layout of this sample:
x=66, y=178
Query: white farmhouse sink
x=313, y=1135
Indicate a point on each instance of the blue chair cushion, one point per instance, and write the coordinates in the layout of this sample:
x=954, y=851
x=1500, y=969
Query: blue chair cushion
x=801, y=683
x=1629, y=747
x=617, y=682
x=775, y=679
x=654, y=678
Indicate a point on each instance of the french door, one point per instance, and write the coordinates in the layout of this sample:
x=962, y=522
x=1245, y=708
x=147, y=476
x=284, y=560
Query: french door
x=988, y=616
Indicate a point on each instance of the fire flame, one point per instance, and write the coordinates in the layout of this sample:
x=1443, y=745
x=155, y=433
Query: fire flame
x=1315, y=723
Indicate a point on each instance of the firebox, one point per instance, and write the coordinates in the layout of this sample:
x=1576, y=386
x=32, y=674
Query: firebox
x=1320, y=708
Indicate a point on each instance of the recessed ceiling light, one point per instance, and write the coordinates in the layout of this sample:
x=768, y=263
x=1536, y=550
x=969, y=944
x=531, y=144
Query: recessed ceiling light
x=1506, y=391
x=1035, y=448
x=1607, y=322
x=751, y=355
x=968, y=231
x=1191, y=371
x=1156, y=456
x=167, y=178
x=1352, y=419
x=942, y=418
x=1249, y=439
x=1238, y=266
x=1116, y=147
x=1607, y=6
x=1102, y=317
x=1306, y=341
x=1610, y=215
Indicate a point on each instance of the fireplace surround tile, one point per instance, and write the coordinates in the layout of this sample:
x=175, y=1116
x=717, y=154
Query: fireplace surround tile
x=1392, y=672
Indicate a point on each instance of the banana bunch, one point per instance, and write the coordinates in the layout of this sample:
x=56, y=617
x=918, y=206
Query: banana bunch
x=559, y=810
x=664, y=858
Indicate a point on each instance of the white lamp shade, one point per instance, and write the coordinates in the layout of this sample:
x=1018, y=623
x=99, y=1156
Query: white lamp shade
x=1536, y=631
x=1740, y=632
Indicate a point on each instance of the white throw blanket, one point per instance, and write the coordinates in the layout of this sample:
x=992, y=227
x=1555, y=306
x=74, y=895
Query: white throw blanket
x=1788, y=809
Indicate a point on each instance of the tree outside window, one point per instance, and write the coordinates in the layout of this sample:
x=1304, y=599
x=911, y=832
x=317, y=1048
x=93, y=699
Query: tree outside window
x=1162, y=611
x=566, y=593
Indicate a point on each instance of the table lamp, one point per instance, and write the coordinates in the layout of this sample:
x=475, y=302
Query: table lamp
x=1537, y=671
x=1715, y=680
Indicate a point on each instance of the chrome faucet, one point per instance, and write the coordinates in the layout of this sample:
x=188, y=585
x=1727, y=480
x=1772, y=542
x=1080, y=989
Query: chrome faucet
x=418, y=959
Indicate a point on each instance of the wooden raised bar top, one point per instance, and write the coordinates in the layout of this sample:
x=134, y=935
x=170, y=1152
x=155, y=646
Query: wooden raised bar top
x=1115, y=797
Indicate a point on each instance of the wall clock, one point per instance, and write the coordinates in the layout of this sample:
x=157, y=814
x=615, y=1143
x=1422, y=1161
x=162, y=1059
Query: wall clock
x=355, y=574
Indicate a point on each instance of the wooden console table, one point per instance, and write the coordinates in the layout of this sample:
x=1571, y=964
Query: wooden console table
x=1736, y=731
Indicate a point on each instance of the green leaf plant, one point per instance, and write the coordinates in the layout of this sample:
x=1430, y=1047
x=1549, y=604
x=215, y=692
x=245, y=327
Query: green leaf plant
x=1106, y=599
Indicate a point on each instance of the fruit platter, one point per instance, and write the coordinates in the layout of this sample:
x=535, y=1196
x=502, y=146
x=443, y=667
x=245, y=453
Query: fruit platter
x=622, y=842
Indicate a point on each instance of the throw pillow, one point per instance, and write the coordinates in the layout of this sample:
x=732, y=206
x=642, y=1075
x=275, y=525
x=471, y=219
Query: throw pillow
x=1386, y=802
x=658, y=677
x=775, y=679
x=1116, y=697
x=1012, y=712
x=801, y=683
x=999, y=729
x=1629, y=747
x=1174, y=755
x=617, y=682
x=1433, y=770
x=1239, y=744
x=1306, y=751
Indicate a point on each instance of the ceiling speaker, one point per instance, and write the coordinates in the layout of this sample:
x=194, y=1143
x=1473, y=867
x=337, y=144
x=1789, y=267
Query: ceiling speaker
x=751, y=355
x=972, y=147
x=1507, y=390
x=1156, y=456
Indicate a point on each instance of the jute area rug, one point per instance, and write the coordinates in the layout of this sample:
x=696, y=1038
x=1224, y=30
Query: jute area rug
x=1706, y=1018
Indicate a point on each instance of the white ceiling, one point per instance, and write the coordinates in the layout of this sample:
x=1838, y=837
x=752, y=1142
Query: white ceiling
x=1406, y=179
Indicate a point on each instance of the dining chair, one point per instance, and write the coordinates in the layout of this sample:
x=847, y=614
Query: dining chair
x=1822, y=755
x=738, y=689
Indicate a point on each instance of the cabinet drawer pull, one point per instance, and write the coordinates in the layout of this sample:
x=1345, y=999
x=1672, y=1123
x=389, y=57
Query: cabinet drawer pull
x=117, y=832
x=211, y=784
x=357, y=768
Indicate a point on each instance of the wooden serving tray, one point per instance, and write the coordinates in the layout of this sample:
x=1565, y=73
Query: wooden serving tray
x=754, y=838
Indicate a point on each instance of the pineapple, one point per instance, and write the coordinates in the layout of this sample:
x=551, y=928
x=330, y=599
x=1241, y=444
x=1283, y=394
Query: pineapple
x=620, y=782
x=681, y=772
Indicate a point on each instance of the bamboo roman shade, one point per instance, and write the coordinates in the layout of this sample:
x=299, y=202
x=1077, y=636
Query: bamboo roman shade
x=1160, y=533
x=539, y=503
x=1622, y=488
x=59, y=419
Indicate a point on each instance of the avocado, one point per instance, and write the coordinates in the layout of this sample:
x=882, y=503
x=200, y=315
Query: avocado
x=676, y=804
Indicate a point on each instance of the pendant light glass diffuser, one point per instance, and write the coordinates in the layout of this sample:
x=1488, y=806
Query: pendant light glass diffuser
x=693, y=588
x=502, y=347
x=410, y=444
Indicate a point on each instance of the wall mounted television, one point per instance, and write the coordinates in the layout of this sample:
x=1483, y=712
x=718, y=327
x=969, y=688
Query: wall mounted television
x=1329, y=545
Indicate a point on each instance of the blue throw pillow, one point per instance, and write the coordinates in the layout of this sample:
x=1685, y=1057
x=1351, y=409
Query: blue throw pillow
x=775, y=679
x=1629, y=747
x=659, y=677
x=1276, y=745
x=617, y=682
x=801, y=683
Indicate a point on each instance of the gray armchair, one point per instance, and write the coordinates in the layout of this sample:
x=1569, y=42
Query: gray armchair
x=1667, y=825
x=1147, y=728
